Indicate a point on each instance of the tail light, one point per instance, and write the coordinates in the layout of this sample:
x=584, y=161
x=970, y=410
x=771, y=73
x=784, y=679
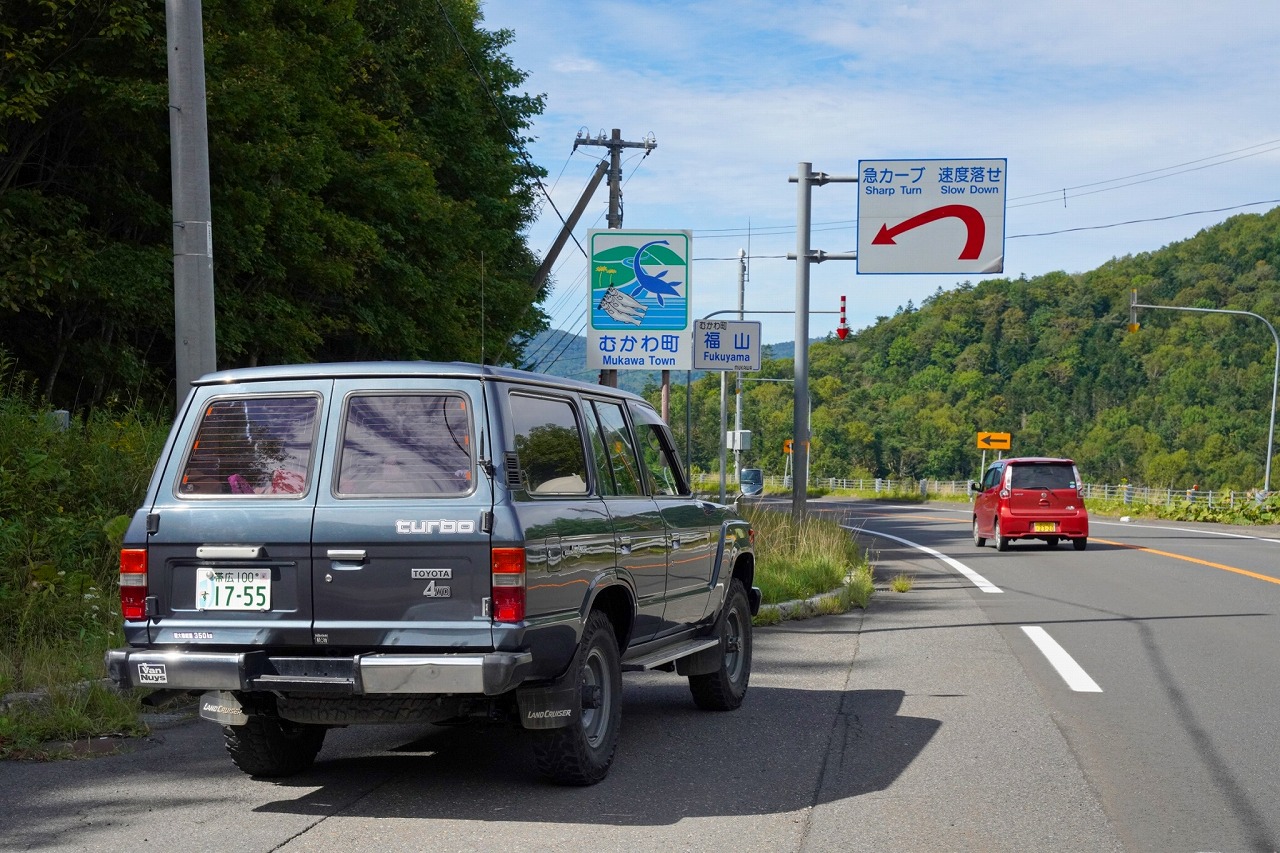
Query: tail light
x=133, y=583
x=508, y=586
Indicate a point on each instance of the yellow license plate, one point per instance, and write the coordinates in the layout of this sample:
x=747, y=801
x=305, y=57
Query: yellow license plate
x=1044, y=526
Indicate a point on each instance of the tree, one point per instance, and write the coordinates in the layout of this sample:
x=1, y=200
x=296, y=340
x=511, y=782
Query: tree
x=369, y=186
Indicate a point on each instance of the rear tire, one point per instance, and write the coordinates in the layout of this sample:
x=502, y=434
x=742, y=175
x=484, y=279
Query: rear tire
x=1053, y=541
x=1080, y=544
x=581, y=753
x=978, y=541
x=267, y=746
x=1002, y=542
x=724, y=689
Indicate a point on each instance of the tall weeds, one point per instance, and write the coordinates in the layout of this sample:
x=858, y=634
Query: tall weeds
x=62, y=495
x=795, y=561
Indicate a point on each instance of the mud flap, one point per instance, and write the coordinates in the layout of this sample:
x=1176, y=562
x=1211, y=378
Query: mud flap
x=219, y=706
x=551, y=707
x=704, y=662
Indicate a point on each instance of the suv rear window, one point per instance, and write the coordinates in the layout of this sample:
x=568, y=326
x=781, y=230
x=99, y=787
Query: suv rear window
x=1049, y=475
x=249, y=446
x=405, y=445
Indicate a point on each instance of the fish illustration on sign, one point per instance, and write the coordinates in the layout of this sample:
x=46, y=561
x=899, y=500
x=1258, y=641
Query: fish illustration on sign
x=622, y=307
x=645, y=282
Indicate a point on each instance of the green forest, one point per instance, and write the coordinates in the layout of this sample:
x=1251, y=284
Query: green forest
x=369, y=189
x=371, y=195
x=1185, y=400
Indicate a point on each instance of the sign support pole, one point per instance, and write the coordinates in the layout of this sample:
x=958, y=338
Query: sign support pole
x=805, y=179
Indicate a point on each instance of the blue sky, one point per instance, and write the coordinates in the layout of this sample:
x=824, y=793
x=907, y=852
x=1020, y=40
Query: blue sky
x=1107, y=112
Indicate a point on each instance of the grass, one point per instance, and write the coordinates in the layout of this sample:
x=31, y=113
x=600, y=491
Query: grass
x=816, y=562
x=902, y=582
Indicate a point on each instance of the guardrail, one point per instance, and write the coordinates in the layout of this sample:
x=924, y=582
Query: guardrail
x=1121, y=493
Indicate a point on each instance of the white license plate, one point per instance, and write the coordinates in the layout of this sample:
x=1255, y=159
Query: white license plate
x=233, y=589
x=1044, y=526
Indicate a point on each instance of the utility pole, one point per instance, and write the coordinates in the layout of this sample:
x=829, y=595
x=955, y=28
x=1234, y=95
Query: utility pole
x=194, y=329
x=615, y=143
x=737, y=414
x=806, y=179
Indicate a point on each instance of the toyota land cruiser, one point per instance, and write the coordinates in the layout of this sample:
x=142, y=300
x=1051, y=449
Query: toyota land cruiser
x=328, y=545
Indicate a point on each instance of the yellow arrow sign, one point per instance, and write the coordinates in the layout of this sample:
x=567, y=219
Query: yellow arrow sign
x=994, y=441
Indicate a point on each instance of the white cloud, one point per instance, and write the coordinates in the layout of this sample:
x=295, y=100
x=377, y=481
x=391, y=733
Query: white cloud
x=736, y=94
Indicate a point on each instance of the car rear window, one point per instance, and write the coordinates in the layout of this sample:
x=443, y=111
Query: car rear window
x=1048, y=475
x=405, y=445
x=250, y=446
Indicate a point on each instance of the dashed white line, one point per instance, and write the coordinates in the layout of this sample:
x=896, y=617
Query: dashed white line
x=1072, y=673
x=978, y=580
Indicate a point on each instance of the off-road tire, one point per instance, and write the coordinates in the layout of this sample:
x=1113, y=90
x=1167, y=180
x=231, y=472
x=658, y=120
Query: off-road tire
x=978, y=541
x=267, y=746
x=581, y=753
x=1002, y=542
x=723, y=689
x=1080, y=544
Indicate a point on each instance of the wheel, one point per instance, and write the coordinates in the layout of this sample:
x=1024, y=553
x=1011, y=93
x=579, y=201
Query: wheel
x=723, y=689
x=266, y=746
x=1081, y=543
x=1053, y=541
x=580, y=753
x=979, y=541
x=1002, y=542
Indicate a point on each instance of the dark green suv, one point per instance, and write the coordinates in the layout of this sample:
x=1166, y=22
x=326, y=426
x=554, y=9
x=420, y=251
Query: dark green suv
x=328, y=545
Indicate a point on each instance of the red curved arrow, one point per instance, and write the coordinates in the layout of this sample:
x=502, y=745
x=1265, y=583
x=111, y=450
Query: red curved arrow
x=971, y=217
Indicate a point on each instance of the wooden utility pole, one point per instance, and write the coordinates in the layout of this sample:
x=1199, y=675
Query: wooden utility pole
x=615, y=143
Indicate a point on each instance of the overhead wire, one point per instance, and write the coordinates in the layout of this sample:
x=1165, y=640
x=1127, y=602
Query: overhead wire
x=1050, y=196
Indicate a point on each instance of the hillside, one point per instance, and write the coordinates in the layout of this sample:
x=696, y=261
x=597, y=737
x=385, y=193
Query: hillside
x=1186, y=399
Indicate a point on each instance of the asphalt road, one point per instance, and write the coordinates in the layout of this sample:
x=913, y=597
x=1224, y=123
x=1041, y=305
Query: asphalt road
x=931, y=721
x=1176, y=627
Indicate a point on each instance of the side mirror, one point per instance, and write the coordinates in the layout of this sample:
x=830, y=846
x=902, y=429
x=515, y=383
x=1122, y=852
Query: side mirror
x=975, y=487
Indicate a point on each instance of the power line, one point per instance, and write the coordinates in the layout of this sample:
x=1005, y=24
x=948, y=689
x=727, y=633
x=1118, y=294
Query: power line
x=1056, y=193
x=497, y=109
x=1149, y=219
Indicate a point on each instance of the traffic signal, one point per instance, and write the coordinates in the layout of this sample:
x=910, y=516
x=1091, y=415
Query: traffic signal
x=1133, y=311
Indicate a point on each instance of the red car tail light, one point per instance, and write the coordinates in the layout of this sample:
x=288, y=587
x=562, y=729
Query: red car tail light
x=508, y=585
x=133, y=583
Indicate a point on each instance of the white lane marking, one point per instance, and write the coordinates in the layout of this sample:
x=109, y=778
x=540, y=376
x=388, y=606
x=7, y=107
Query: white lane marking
x=1094, y=521
x=978, y=580
x=1072, y=673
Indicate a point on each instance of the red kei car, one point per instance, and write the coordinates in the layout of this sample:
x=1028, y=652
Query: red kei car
x=1030, y=498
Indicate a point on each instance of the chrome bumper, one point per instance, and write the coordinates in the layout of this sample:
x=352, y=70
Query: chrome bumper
x=487, y=673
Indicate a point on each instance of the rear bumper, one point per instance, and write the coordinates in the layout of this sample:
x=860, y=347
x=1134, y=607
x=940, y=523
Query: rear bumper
x=1024, y=527
x=486, y=673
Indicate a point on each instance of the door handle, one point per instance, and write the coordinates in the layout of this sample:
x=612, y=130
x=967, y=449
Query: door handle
x=354, y=555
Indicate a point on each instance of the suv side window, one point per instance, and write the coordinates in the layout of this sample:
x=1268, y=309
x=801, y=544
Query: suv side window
x=622, y=452
x=661, y=463
x=549, y=446
x=405, y=445
x=249, y=446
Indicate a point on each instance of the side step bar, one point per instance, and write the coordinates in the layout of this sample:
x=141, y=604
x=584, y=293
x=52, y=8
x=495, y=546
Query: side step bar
x=667, y=655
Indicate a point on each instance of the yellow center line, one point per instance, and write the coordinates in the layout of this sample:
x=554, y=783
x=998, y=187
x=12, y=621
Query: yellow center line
x=1184, y=558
